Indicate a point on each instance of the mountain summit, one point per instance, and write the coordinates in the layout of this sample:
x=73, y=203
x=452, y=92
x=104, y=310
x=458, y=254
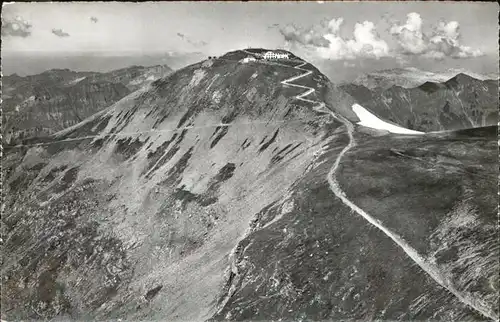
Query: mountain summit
x=238, y=189
x=165, y=180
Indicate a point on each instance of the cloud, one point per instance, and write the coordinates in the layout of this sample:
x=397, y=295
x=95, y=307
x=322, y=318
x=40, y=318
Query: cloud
x=274, y=25
x=192, y=42
x=325, y=40
x=17, y=27
x=60, y=33
x=409, y=35
x=94, y=19
x=313, y=36
x=443, y=41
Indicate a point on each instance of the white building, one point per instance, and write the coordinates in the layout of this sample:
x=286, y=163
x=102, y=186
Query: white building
x=248, y=59
x=275, y=55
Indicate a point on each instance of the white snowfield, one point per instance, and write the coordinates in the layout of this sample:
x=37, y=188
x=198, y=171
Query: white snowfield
x=370, y=120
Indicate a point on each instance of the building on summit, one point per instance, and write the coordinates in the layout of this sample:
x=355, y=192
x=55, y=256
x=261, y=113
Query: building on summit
x=275, y=55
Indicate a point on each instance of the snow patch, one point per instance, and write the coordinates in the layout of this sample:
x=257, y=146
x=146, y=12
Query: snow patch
x=76, y=80
x=372, y=121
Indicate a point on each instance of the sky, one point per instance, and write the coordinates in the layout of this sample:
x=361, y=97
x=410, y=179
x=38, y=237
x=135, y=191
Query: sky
x=348, y=34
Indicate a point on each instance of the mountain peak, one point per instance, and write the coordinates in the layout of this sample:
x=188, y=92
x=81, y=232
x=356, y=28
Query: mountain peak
x=460, y=78
x=256, y=52
x=430, y=87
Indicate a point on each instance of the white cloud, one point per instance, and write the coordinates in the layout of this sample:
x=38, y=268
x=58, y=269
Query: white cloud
x=325, y=40
x=60, y=33
x=443, y=41
x=17, y=27
x=191, y=41
x=410, y=35
x=313, y=36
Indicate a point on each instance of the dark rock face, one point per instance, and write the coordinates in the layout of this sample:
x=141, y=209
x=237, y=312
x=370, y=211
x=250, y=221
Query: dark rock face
x=461, y=102
x=205, y=197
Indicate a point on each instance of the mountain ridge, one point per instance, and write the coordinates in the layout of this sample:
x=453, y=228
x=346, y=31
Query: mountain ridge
x=41, y=104
x=204, y=196
x=460, y=102
x=411, y=77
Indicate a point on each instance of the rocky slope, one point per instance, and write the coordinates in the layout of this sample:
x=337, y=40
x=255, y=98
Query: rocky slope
x=38, y=105
x=134, y=77
x=52, y=108
x=159, y=204
x=204, y=196
x=461, y=102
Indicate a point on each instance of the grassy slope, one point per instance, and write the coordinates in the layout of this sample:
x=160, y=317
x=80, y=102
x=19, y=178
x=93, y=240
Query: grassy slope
x=437, y=193
x=308, y=257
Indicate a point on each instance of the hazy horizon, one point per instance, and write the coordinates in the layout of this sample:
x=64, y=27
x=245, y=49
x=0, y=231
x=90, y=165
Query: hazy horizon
x=343, y=39
x=335, y=70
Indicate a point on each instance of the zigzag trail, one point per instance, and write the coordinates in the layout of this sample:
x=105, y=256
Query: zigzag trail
x=310, y=90
x=431, y=269
x=286, y=82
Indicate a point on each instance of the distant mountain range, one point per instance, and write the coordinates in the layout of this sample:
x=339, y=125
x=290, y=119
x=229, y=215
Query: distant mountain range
x=457, y=103
x=411, y=77
x=24, y=64
x=41, y=104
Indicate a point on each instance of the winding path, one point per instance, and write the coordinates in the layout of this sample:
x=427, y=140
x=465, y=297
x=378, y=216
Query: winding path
x=309, y=90
x=430, y=268
x=319, y=105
